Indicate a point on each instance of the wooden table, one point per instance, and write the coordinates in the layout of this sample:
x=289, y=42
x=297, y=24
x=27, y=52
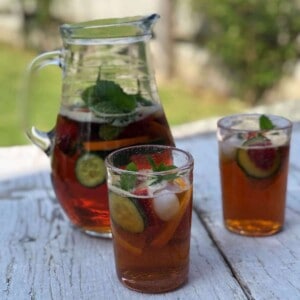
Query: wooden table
x=43, y=257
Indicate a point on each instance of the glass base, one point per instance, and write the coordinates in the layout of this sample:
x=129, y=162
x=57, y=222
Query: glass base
x=154, y=283
x=106, y=235
x=253, y=227
x=95, y=233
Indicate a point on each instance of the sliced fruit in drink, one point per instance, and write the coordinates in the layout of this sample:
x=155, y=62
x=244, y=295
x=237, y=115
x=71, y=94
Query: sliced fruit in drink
x=126, y=213
x=258, y=157
x=133, y=249
x=109, y=132
x=90, y=170
x=66, y=136
x=168, y=231
x=156, y=129
x=158, y=158
x=114, y=144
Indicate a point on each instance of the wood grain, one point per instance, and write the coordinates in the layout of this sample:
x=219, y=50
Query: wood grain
x=43, y=257
x=265, y=268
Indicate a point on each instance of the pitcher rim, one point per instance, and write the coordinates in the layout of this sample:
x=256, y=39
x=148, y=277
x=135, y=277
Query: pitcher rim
x=135, y=28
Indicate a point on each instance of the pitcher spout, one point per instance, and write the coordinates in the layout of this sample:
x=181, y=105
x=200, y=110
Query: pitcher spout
x=148, y=22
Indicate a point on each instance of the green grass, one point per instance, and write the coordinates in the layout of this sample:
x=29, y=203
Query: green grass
x=41, y=106
x=184, y=105
x=12, y=62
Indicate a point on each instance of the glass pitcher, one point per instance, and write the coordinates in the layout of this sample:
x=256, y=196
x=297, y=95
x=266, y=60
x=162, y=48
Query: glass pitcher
x=109, y=100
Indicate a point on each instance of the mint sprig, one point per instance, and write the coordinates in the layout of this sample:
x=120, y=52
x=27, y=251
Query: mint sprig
x=161, y=168
x=127, y=180
x=108, y=97
x=265, y=123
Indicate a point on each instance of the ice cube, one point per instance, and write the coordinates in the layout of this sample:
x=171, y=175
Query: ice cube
x=157, y=187
x=166, y=205
x=229, y=145
x=277, y=138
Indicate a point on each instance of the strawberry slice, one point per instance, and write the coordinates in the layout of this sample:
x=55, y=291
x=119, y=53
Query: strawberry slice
x=164, y=157
x=251, y=135
x=142, y=161
x=141, y=191
x=263, y=158
x=147, y=206
x=258, y=157
x=154, y=223
x=67, y=136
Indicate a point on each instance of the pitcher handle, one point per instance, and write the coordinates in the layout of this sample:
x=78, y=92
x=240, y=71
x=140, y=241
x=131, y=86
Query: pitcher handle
x=44, y=140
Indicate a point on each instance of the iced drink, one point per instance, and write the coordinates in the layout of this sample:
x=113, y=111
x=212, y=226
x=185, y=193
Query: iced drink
x=254, y=158
x=150, y=200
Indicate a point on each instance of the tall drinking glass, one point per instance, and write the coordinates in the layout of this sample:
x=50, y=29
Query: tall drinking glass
x=254, y=159
x=150, y=202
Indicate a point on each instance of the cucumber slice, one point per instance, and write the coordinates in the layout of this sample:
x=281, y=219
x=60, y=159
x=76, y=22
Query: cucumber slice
x=126, y=213
x=90, y=170
x=258, y=158
x=109, y=132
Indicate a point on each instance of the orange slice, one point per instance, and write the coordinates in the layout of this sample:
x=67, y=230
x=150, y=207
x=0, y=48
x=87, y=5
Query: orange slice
x=158, y=130
x=125, y=244
x=167, y=233
x=115, y=144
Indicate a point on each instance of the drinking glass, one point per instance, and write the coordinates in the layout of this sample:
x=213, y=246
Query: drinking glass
x=253, y=160
x=150, y=202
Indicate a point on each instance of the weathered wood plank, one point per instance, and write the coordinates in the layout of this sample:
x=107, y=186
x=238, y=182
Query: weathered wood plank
x=266, y=268
x=43, y=257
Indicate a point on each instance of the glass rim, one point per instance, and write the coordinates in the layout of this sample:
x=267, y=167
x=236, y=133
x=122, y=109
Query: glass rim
x=189, y=164
x=221, y=125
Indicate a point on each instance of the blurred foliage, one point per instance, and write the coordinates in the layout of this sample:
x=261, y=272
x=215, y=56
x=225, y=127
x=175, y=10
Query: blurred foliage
x=39, y=24
x=38, y=102
x=257, y=40
x=39, y=108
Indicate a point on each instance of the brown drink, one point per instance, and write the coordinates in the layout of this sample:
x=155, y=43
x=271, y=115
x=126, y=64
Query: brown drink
x=81, y=144
x=151, y=219
x=254, y=171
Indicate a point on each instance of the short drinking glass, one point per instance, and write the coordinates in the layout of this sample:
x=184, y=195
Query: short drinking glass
x=150, y=202
x=253, y=160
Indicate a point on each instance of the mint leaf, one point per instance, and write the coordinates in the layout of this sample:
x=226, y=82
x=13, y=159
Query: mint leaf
x=105, y=107
x=161, y=168
x=132, y=167
x=107, y=97
x=89, y=95
x=144, y=102
x=151, y=162
x=127, y=181
x=265, y=123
